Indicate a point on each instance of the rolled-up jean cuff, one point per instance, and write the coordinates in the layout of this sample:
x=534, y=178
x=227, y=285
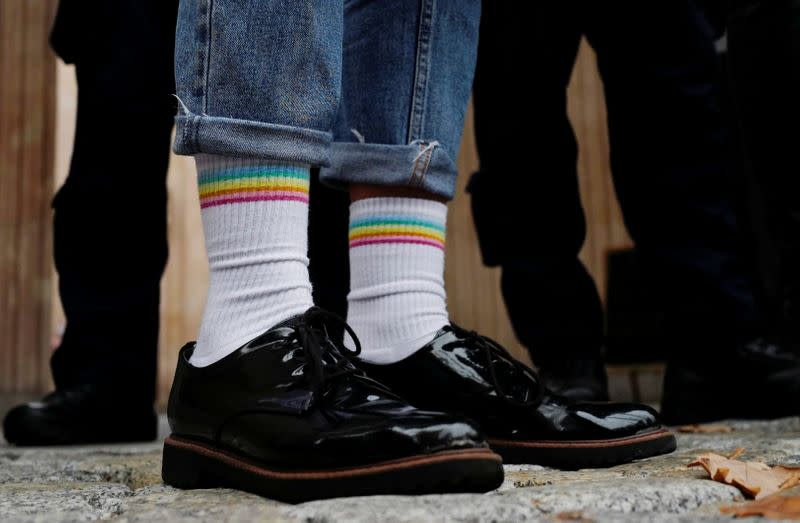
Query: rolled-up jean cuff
x=231, y=137
x=419, y=165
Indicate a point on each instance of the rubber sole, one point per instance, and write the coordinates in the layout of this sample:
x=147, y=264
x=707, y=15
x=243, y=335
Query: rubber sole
x=571, y=455
x=190, y=464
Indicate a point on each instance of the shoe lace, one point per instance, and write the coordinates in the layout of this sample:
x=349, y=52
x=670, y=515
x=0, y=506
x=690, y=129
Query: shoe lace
x=491, y=348
x=312, y=336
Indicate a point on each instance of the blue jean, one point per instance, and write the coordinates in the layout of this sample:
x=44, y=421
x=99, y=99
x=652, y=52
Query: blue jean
x=372, y=91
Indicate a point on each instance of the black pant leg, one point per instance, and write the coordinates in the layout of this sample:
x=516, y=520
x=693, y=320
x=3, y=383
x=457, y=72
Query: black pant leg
x=764, y=60
x=525, y=198
x=110, y=243
x=328, y=247
x=667, y=135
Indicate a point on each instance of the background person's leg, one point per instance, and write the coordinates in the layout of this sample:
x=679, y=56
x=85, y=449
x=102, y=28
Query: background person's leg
x=763, y=51
x=667, y=158
x=110, y=267
x=677, y=196
x=110, y=226
x=329, y=266
x=525, y=198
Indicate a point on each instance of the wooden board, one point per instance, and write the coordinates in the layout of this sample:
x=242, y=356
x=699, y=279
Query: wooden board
x=27, y=79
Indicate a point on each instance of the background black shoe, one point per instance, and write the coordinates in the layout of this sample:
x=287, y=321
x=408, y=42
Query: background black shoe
x=576, y=379
x=288, y=416
x=80, y=415
x=469, y=375
x=756, y=381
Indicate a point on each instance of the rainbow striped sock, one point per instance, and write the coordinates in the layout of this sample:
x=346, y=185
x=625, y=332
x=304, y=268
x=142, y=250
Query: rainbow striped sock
x=252, y=181
x=396, y=229
x=255, y=223
x=397, y=301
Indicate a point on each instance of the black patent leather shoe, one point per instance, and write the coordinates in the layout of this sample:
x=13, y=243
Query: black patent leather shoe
x=289, y=417
x=469, y=375
x=758, y=380
x=79, y=415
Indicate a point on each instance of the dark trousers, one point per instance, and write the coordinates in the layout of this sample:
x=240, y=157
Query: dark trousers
x=110, y=229
x=667, y=140
x=764, y=62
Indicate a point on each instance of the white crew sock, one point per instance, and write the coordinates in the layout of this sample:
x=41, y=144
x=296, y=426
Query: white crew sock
x=397, y=301
x=255, y=220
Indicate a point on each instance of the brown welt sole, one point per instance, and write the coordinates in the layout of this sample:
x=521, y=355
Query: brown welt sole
x=191, y=464
x=585, y=453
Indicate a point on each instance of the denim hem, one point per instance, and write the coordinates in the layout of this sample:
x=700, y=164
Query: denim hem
x=425, y=165
x=231, y=137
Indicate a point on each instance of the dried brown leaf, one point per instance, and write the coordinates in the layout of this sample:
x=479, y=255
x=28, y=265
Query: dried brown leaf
x=753, y=478
x=773, y=507
x=736, y=453
x=705, y=429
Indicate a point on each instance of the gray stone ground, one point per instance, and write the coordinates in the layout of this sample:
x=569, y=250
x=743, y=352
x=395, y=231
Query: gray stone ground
x=122, y=483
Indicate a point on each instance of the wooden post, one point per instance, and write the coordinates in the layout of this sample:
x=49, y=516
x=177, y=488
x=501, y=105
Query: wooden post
x=27, y=90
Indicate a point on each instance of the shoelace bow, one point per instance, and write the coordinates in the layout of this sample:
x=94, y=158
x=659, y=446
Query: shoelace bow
x=491, y=348
x=310, y=334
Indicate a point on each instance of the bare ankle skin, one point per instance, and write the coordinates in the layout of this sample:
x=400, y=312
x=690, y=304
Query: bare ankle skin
x=360, y=191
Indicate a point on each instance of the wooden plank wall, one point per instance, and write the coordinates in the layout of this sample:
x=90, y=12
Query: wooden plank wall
x=27, y=108
x=478, y=305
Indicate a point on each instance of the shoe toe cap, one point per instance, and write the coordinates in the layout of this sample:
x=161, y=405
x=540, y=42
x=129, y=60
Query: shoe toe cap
x=614, y=420
x=432, y=432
